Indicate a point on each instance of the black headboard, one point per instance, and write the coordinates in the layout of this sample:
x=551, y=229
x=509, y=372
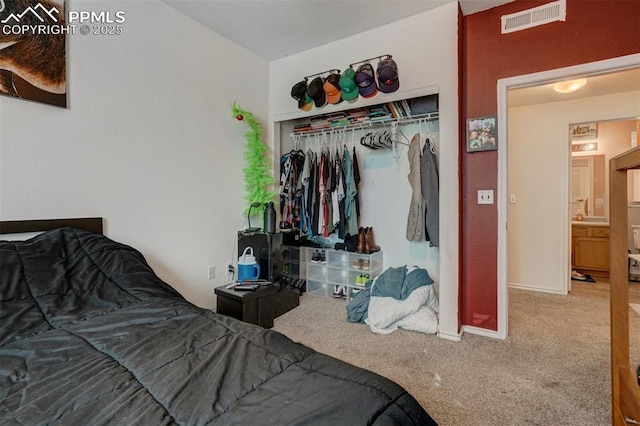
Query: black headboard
x=93, y=224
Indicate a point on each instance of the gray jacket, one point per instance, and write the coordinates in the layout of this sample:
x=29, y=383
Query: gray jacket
x=415, y=220
x=430, y=192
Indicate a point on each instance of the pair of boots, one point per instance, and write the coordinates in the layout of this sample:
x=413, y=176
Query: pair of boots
x=366, y=242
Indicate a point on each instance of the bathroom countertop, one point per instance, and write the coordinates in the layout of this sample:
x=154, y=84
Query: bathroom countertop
x=587, y=223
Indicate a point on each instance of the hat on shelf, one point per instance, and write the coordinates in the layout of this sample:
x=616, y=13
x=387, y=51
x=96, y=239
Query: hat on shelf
x=388, y=75
x=332, y=88
x=315, y=90
x=299, y=93
x=348, y=85
x=366, y=80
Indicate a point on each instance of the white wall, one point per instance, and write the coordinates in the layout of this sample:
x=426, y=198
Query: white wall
x=425, y=48
x=148, y=142
x=538, y=173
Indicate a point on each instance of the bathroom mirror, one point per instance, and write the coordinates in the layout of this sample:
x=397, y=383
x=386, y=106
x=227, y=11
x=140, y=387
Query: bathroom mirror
x=588, y=185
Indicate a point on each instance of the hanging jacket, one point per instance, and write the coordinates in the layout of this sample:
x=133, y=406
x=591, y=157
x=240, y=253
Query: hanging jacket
x=430, y=192
x=350, y=195
x=415, y=220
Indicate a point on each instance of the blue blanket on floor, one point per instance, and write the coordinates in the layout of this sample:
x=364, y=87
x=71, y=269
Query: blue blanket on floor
x=398, y=284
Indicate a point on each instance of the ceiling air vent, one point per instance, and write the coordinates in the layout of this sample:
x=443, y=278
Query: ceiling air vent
x=550, y=12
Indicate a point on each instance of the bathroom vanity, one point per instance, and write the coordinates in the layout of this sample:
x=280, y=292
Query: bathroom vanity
x=590, y=248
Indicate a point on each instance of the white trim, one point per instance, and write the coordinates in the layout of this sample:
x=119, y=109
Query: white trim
x=502, y=261
x=450, y=336
x=534, y=79
x=538, y=289
x=481, y=332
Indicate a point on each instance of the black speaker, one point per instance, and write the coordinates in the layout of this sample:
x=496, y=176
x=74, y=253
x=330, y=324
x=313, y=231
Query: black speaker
x=266, y=249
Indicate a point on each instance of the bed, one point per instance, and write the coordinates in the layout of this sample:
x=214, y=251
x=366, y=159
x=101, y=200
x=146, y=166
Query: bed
x=90, y=335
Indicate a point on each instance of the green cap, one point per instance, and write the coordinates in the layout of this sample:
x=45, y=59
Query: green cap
x=348, y=85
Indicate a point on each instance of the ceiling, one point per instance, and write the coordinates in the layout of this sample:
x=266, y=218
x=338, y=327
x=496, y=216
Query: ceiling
x=273, y=29
x=598, y=85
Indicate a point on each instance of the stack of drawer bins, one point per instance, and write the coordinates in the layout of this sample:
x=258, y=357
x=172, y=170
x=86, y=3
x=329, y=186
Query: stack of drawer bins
x=327, y=268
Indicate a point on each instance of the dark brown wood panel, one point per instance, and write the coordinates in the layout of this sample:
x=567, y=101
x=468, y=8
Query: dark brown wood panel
x=93, y=224
x=624, y=393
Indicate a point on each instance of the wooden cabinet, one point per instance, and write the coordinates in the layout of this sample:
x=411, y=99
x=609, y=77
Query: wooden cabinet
x=590, y=249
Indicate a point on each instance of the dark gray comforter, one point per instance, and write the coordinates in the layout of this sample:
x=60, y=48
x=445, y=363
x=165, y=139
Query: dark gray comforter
x=89, y=335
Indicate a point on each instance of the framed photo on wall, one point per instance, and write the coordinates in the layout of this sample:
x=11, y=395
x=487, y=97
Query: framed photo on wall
x=585, y=131
x=482, y=134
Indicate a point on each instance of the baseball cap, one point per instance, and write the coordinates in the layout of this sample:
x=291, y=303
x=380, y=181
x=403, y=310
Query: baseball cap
x=316, y=92
x=388, y=76
x=348, y=85
x=332, y=88
x=299, y=93
x=366, y=80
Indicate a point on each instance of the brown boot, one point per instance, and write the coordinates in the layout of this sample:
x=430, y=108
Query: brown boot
x=370, y=242
x=361, y=241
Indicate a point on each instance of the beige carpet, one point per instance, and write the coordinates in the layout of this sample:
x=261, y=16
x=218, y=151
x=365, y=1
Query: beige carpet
x=553, y=369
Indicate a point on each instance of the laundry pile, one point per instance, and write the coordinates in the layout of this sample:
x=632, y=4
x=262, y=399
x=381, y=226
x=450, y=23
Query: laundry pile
x=400, y=297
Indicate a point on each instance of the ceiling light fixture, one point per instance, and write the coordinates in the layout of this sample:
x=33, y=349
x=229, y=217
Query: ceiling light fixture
x=569, y=86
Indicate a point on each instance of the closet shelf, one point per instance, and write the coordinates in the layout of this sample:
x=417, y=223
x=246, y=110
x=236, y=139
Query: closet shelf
x=375, y=123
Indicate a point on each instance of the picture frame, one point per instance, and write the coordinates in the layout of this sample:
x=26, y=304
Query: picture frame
x=583, y=131
x=482, y=134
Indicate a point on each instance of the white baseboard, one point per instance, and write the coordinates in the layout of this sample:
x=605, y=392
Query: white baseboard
x=450, y=336
x=530, y=288
x=481, y=332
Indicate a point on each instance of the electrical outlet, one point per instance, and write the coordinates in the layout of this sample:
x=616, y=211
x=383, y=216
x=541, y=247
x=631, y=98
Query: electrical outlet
x=485, y=196
x=212, y=272
x=228, y=267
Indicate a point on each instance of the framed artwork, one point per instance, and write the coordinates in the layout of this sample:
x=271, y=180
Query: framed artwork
x=32, y=50
x=585, y=131
x=482, y=134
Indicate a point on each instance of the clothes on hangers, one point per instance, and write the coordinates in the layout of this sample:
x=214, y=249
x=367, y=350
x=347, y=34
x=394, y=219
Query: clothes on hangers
x=290, y=190
x=351, y=191
x=319, y=192
x=424, y=209
x=356, y=179
x=430, y=191
x=305, y=225
x=415, y=220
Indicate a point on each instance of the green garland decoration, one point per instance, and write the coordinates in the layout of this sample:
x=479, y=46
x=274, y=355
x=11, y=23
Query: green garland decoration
x=257, y=174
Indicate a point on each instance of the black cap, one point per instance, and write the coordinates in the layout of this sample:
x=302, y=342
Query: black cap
x=299, y=90
x=388, y=76
x=299, y=93
x=316, y=92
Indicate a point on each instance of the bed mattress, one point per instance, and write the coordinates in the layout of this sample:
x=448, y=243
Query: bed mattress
x=90, y=335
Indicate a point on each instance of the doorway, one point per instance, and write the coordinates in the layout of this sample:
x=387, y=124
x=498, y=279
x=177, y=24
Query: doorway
x=589, y=195
x=556, y=218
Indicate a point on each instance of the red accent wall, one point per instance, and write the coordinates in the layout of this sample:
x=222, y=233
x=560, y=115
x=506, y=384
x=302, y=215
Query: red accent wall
x=594, y=30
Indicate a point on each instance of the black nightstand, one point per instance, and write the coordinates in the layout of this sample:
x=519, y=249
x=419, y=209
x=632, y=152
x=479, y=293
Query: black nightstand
x=255, y=307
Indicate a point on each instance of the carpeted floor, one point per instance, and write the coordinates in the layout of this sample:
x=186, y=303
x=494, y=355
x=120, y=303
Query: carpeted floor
x=553, y=369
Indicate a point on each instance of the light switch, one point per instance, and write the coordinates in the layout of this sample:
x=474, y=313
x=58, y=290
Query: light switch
x=512, y=198
x=485, y=196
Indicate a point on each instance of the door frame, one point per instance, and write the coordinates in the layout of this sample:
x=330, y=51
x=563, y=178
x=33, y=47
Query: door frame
x=534, y=79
